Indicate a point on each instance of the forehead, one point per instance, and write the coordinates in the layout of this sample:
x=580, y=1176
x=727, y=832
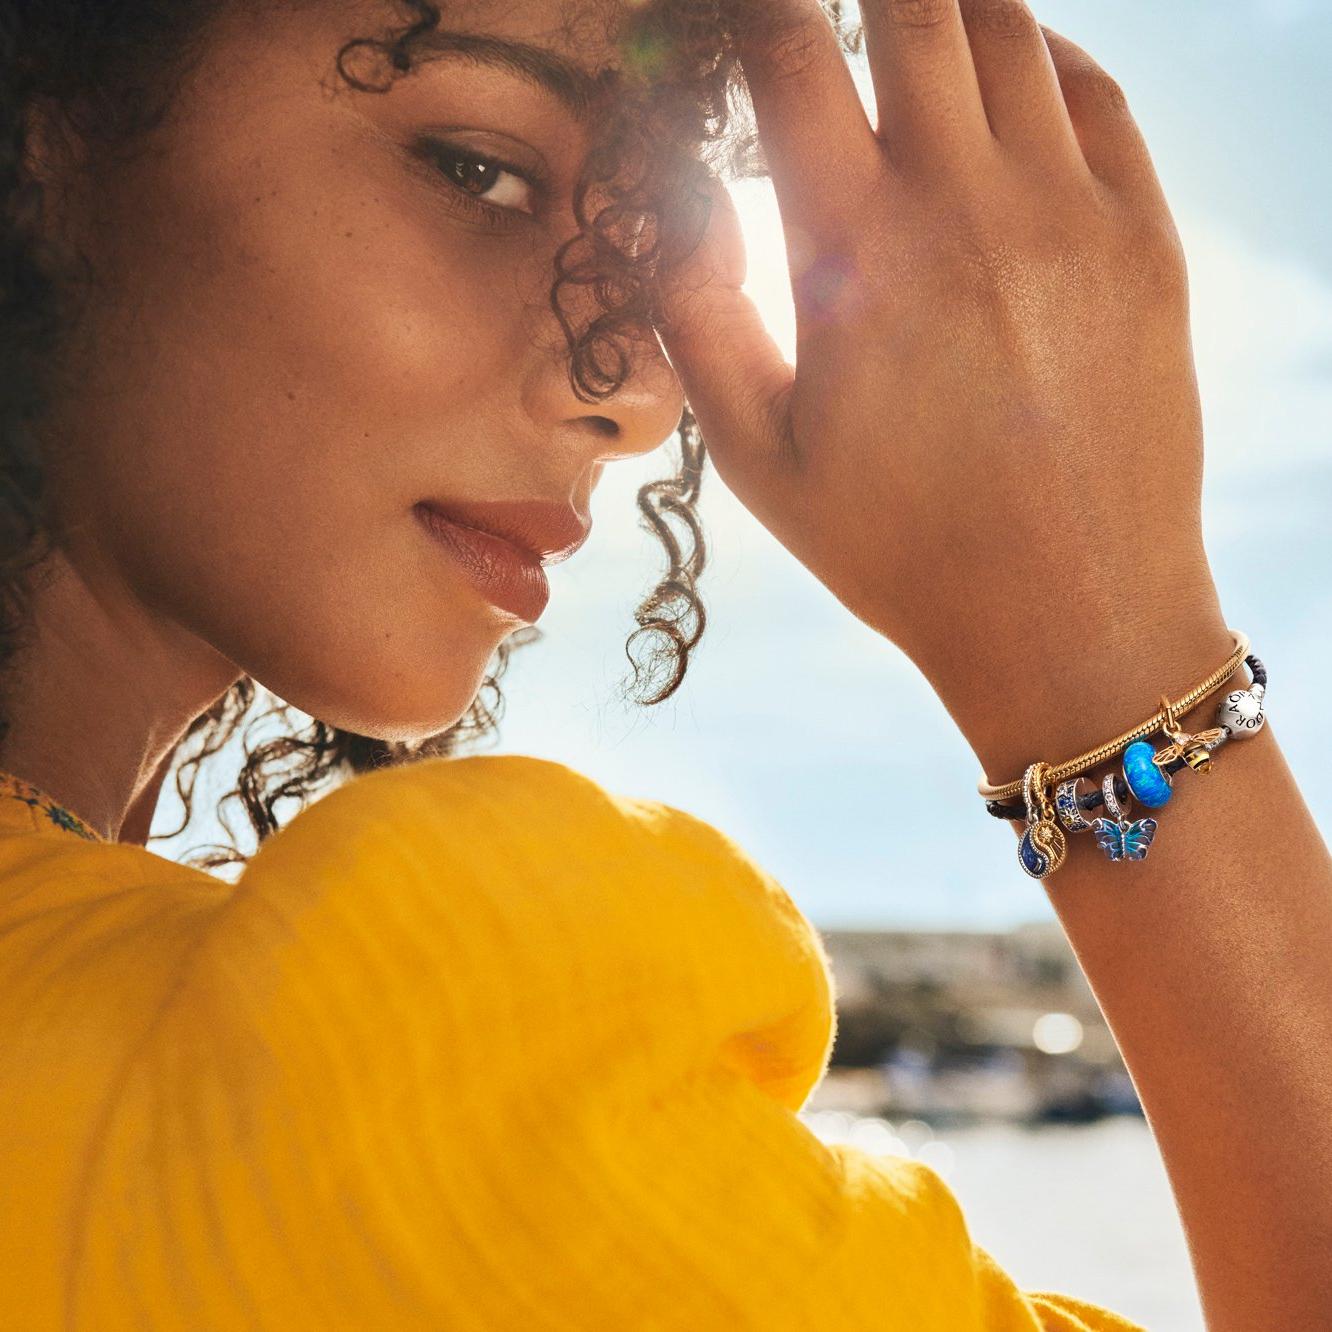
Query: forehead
x=572, y=48
x=584, y=32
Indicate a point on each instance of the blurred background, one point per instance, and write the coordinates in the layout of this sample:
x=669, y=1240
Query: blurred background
x=967, y=1035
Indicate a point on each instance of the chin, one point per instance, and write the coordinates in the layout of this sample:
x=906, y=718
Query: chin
x=391, y=701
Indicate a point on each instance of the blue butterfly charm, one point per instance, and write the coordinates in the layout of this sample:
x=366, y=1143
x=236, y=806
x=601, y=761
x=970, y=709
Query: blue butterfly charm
x=1124, y=839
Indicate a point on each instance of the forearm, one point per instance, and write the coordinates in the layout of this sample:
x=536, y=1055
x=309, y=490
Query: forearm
x=1212, y=961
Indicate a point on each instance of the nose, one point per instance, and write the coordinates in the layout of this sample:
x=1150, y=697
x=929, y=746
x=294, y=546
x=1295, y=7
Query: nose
x=637, y=417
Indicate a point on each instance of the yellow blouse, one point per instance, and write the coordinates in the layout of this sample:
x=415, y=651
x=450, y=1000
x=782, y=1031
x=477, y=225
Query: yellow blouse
x=473, y=1044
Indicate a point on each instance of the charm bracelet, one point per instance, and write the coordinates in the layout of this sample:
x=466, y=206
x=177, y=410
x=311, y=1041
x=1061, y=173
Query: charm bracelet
x=1145, y=774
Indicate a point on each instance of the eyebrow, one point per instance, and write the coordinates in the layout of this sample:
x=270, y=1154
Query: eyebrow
x=571, y=83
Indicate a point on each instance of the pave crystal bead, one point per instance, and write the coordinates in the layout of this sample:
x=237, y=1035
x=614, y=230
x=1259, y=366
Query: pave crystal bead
x=1150, y=786
x=1114, y=806
x=1067, y=795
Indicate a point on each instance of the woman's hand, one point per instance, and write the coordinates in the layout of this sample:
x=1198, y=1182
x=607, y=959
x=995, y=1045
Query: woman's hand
x=991, y=447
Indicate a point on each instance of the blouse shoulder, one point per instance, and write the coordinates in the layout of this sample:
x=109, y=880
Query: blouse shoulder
x=478, y=1043
x=541, y=889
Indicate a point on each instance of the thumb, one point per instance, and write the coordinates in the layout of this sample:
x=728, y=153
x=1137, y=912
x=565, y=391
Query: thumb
x=734, y=376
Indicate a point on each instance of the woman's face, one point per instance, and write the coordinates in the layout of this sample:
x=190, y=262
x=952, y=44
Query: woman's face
x=304, y=326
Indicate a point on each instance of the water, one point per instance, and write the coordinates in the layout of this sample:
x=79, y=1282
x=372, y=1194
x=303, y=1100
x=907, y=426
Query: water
x=1084, y=1210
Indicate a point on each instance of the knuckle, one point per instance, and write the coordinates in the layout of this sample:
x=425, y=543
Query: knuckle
x=793, y=49
x=917, y=13
x=1140, y=249
x=1000, y=18
x=981, y=264
x=1154, y=257
x=1101, y=91
x=1081, y=76
x=969, y=256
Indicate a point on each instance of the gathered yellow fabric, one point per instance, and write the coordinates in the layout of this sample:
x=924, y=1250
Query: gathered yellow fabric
x=471, y=1044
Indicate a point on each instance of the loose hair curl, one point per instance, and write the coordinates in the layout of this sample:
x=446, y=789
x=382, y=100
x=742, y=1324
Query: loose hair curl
x=678, y=108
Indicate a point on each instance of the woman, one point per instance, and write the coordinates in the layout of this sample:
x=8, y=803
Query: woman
x=298, y=298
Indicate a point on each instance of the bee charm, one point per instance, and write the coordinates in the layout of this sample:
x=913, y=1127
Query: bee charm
x=1195, y=750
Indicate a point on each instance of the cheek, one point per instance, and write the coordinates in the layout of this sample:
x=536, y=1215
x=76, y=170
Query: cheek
x=292, y=380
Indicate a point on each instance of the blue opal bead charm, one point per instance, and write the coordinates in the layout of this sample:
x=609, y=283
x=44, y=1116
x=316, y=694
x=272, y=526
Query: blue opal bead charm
x=1149, y=785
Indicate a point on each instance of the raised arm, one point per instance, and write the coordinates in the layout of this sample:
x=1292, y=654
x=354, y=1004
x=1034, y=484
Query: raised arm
x=991, y=451
x=1212, y=961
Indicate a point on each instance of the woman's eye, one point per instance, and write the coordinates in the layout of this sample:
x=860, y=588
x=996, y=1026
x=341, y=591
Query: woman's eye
x=486, y=179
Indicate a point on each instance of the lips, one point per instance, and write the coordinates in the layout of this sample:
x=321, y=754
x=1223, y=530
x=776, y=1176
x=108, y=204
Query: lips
x=502, y=546
x=547, y=531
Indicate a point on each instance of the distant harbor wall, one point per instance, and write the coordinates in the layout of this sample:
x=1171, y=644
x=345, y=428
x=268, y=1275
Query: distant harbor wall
x=958, y=1026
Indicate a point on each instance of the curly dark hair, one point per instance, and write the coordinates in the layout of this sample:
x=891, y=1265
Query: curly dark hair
x=675, y=110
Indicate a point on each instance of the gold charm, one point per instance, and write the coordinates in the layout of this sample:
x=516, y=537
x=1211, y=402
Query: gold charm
x=1043, y=846
x=1192, y=748
x=1049, y=838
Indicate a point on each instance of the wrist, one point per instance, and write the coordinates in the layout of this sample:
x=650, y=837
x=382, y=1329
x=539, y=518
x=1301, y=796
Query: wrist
x=1026, y=705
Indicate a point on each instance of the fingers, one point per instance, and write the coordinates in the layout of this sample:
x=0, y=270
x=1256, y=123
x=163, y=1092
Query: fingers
x=733, y=374
x=925, y=86
x=1018, y=82
x=819, y=146
x=952, y=79
x=1108, y=136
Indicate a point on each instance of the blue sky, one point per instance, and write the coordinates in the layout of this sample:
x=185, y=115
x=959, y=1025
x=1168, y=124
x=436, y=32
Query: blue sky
x=816, y=744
